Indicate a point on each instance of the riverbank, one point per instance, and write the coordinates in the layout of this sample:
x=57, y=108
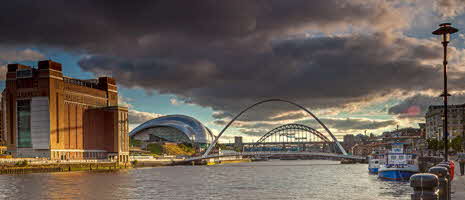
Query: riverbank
x=8, y=169
x=102, y=166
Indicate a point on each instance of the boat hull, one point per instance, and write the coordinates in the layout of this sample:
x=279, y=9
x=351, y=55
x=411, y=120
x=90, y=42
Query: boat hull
x=396, y=174
x=373, y=170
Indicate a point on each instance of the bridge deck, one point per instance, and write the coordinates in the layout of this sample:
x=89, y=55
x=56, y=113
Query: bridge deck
x=277, y=153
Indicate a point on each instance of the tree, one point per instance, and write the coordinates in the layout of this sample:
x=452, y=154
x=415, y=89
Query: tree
x=433, y=144
x=134, y=143
x=456, y=144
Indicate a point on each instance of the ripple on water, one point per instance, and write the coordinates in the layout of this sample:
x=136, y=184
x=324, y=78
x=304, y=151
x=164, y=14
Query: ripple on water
x=295, y=179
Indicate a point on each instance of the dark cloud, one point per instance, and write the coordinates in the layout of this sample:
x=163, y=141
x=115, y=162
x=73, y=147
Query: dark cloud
x=229, y=54
x=316, y=72
x=417, y=105
x=99, y=25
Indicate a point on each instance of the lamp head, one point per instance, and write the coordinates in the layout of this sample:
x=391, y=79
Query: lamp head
x=445, y=29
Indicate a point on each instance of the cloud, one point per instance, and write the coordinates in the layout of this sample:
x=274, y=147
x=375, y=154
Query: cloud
x=339, y=125
x=14, y=55
x=174, y=101
x=11, y=55
x=416, y=106
x=3, y=71
x=144, y=23
x=321, y=54
x=138, y=117
x=352, y=123
x=124, y=101
x=221, y=115
x=450, y=8
x=316, y=72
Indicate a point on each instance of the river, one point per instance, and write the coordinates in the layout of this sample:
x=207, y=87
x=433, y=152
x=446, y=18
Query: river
x=291, y=179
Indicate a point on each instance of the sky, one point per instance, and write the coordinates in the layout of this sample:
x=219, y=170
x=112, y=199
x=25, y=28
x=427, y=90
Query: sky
x=362, y=66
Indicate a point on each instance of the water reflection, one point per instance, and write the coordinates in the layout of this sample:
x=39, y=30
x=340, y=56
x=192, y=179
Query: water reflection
x=260, y=180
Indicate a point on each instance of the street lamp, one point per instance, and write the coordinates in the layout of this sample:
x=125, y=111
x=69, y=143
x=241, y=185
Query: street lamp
x=445, y=30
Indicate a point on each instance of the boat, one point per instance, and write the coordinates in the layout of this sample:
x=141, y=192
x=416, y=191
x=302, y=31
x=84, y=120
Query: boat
x=374, y=161
x=399, y=164
x=258, y=159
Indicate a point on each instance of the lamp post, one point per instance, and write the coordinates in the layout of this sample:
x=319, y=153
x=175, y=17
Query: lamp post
x=445, y=30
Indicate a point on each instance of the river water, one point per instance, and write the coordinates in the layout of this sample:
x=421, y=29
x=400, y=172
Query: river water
x=290, y=179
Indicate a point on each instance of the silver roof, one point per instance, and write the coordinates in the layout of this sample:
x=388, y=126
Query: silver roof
x=186, y=124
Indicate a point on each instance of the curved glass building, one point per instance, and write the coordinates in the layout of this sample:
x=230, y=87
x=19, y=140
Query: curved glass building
x=173, y=128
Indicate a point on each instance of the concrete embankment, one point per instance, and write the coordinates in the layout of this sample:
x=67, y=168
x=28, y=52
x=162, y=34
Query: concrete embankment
x=67, y=167
x=8, y=169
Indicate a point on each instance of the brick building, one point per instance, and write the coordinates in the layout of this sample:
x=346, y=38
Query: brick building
x=45, y=114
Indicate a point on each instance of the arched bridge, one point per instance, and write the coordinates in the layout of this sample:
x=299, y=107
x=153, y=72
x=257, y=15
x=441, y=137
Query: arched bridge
x=291, y=137
x=215, y=141
x=296, y=132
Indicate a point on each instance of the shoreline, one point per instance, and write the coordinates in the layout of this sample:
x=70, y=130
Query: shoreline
x=47, y=168
x=110, y=166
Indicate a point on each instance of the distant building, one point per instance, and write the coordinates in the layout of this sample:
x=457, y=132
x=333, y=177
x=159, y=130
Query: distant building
x=46, y=114
x=411, y=136
x=422, y=129
x=2, y=139
x=361, y=139
x=349, y=141
x=434, y=121
x=362, y=149
x=238, y=144
x=402, y=133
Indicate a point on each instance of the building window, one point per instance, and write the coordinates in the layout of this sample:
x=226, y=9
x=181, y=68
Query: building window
x=58, y=120
x=24, y=123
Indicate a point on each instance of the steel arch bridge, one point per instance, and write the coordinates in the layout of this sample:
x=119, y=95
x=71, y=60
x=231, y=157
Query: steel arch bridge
x=215, y=141
x=293, y=133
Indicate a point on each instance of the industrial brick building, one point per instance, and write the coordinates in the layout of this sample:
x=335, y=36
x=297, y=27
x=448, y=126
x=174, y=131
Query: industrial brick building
x=45, y=114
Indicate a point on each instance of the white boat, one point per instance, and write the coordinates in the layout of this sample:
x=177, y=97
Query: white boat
x=399, y=165
x=374, y=161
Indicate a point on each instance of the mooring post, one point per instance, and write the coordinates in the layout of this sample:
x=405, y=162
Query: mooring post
x=443, y=175
x=425, y=186
x=450, y=177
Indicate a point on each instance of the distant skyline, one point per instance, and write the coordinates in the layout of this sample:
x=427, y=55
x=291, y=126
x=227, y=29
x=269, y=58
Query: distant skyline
x=358, y=65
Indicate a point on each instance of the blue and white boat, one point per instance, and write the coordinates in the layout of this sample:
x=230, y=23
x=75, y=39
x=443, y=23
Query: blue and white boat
x=374, y=161
x=399, y=165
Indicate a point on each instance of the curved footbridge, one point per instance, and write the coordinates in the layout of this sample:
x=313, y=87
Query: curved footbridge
x=277, y=153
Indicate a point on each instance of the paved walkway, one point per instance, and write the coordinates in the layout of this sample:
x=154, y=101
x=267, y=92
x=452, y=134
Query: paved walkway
x=458, y=185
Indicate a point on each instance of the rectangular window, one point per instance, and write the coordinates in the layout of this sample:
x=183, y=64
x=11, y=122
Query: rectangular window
x=24, y=123
x=58, y=119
